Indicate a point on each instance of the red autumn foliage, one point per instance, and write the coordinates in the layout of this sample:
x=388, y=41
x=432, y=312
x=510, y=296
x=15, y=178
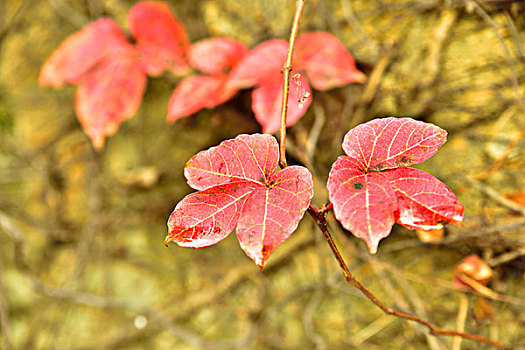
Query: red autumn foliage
x=321, y=56
x=371, y=187
x=239, y=188
x=110, y=71
x=214, y=57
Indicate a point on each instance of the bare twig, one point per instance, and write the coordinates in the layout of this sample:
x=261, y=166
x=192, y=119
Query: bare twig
x=320, y=219
x=460, y=320
x=492, y=193
x=287, y=69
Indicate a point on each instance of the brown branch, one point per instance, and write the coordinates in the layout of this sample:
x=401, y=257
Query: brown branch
x=319, y=217
x=286, y=86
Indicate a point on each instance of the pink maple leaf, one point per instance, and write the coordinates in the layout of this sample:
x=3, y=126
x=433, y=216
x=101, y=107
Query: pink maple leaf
x=215, y=58
x=110, y=71
x=318, y=55
x=240, y=188
x=371, y=187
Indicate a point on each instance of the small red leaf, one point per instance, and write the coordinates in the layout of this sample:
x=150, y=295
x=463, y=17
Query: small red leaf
x=273, y=212
x=424, y=202
x=267, y=100
x=193, y=94
x=326, y=60
x=245, y=158
x=239, y=175
x=363, y=203
x=216, y=56
x=263, y=61
x=161, y=39
x=393, y=142
x=82, y=50
x=111, y=93
x=205, y=218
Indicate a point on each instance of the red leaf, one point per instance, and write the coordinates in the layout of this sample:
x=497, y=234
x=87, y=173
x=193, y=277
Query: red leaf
x=326, y=60
x=367, y=200
x=239, y=175
x=111, y=93
x=193, y=94
x=205, y=218
x=364, y=203
x=81, y=51
x=245, y=158
x=161, y=39
x=273, y=212
x=216, y=56
x=424, y=202
x=393, y=142
x=266, y=59
x=267, y=100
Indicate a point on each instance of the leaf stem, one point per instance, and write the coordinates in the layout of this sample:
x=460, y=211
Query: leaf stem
x=287, y=69
x=319, y=217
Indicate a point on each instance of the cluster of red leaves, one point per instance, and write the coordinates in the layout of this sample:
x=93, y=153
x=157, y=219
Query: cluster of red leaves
x=111, y=72
x=372, y=187
x=239, y=188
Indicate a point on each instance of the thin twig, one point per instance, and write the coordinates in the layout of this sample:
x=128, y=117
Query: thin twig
x=320, y=219
x=460, y=320
x=287, y=69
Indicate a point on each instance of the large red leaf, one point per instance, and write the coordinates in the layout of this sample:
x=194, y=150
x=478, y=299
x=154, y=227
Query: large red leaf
x=367, y=200
x=245, y=158
x=205, y=218
x=82, y=50
x=393, y=142
x=160, y=37
x=273, y=212
x=364, y=203
x=216, y=56
x=111, y=93
x=263, y=61
x=326, y=60
x=424, y=202
x=240, y=175
x=267, y=100
x=194, y=93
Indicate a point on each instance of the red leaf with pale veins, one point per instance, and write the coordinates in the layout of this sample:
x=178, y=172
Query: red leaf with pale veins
x=205, y=218
x=326, y=60
x=245, y=158
x=424, y=202
x=272, y=213
x=111, y=93
x=216, y=56
x=194, y=93
x=272, y=203
x=263, y=61
x=388, y=143
x=81, y=51
x=367, y=200
x=160, y=37
x=267, y=100
x=364, y=203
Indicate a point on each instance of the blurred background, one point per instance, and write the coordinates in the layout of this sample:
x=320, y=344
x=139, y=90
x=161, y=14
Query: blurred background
x=82, y=260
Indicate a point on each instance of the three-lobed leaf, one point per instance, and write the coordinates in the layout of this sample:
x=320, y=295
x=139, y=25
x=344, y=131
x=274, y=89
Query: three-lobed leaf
x=240, y=187
x=371, y=187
